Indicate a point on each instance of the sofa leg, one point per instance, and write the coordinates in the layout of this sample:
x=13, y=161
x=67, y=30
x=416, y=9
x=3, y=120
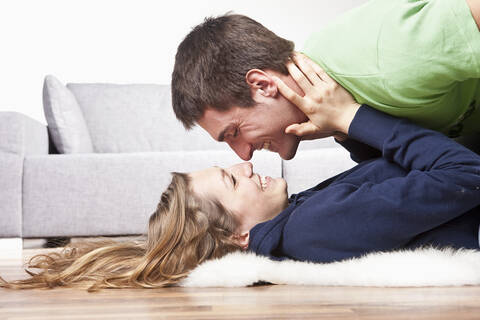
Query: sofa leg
x=56, y=242
x=11, y=248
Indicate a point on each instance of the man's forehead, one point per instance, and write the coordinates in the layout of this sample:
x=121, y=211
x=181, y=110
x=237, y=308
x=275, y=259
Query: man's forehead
x=212, y=116
x=222, y=115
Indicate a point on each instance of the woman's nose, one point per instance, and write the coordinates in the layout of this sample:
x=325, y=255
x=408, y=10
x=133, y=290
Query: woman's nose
x=248, y=168
x=244, y=169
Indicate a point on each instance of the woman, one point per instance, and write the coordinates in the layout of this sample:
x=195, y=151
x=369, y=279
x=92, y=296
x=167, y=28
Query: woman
x=423, y=190
x=184, y=231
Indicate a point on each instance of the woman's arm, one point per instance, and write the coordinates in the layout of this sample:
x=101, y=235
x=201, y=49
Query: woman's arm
x=359, y=152
x=382, y=208
x=328, y=105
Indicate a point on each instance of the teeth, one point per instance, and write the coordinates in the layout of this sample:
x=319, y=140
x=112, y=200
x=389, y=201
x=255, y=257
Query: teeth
x=264, y=182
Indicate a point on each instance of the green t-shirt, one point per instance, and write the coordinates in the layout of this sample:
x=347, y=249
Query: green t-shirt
x=418, y=59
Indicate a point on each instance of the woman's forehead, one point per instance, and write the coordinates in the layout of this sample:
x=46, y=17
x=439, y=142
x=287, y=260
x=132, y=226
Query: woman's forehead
x=211, y=174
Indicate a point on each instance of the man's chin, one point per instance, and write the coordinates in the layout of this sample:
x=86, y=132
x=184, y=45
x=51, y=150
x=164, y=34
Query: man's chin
x=291, y=152
x=288, y=156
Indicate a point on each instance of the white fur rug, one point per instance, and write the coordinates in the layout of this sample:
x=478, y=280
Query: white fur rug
x=406, y=268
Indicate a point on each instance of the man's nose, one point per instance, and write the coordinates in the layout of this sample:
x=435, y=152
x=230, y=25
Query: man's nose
x=243, y=150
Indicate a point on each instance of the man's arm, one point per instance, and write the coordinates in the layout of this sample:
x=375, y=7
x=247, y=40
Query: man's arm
x=475, y=9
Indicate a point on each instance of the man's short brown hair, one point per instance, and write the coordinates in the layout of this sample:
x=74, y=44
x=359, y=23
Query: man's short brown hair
x=213, y=59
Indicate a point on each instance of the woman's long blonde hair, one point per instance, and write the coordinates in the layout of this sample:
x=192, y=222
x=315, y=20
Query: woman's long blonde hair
x=184, y=231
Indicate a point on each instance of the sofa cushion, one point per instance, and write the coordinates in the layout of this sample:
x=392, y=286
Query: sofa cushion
x=310, y=167
x=136, y=118
x=64, y=118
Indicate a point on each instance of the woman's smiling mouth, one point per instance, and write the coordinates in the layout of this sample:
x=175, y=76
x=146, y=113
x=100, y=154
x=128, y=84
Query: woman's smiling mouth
x=265, y=182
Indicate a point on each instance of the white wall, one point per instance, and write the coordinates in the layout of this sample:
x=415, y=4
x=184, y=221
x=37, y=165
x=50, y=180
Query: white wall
x=121, y=41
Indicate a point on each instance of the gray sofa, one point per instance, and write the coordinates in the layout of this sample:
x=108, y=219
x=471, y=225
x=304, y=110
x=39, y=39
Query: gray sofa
x=56, y=182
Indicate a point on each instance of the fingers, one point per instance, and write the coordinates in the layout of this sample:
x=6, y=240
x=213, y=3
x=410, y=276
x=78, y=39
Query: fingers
x=302, y=129
x=318, y=70
x=307, y=69
x=299, y=77
x=290, y=95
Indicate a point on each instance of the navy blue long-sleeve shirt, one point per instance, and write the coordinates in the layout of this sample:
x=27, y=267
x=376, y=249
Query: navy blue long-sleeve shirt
x=423, y=190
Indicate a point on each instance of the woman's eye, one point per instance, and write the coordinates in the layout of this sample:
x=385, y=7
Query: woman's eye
x=234, y=181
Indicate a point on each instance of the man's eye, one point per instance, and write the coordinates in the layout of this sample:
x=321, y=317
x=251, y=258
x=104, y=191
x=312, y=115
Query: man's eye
x=232, y=135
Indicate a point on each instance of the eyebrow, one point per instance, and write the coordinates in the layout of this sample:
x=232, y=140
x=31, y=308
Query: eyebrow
x=224, y=173
x=221, y=136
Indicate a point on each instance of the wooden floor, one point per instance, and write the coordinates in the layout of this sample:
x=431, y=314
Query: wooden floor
x=262, y=302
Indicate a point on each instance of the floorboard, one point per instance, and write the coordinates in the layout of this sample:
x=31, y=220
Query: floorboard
x=261, y=302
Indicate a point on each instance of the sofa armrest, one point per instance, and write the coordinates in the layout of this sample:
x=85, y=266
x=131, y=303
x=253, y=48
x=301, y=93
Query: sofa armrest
x=22, y=135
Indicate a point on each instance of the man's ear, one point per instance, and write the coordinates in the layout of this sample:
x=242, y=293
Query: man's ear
x=242, y=239
x=261, y=83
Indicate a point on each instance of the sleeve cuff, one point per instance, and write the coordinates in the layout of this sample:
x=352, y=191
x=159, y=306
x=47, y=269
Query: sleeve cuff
x=371, y=126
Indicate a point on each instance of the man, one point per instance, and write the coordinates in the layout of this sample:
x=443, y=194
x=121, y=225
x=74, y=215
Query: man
x=224, y=71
